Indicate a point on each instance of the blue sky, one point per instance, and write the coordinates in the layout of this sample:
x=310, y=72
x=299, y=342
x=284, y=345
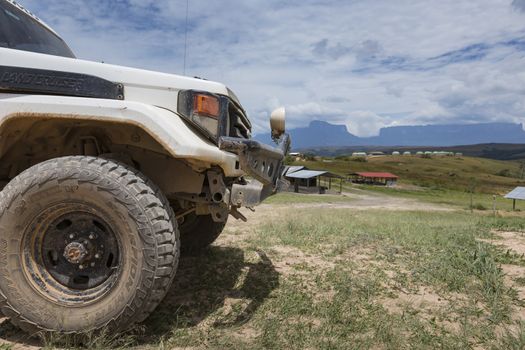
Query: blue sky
x=363, y=63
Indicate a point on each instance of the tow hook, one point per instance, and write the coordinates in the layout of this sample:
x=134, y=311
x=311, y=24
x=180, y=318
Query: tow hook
x=237, y=214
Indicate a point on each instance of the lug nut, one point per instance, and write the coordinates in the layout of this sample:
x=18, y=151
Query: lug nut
x=91, y=236
x=92, y=264
x=81, y=267
x=71, y=236
x=97, y=256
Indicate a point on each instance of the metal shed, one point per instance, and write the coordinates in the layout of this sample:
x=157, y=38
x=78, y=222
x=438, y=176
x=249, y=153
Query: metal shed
x=292, y=169
x=312, y=178
x=516, y=194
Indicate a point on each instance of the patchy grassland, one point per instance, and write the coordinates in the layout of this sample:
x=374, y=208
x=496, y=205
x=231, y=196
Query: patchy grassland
x=458, y=174
x=439, y=180
x=456, y=199
x=334, y=279
x=337, y=278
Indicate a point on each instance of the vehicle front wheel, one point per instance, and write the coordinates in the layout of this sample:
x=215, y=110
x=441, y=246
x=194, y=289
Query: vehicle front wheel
x=199, y=231
x=85, y=244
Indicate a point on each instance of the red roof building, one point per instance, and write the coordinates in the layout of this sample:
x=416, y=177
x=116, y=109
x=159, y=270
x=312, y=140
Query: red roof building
x=377, y=178
x=378, y=175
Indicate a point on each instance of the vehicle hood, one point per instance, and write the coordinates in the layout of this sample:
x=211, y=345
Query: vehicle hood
x=154, y=88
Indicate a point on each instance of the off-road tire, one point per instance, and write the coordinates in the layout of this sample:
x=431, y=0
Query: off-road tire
x=140, y=218
x=165, y=204
x=198, y=232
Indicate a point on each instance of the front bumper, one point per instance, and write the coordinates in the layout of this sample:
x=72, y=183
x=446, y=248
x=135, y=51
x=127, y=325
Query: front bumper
x=263, y=163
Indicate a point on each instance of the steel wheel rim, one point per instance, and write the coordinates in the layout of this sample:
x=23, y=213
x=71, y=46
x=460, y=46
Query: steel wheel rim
x=72, y=256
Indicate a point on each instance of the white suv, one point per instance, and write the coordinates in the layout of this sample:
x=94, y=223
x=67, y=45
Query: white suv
x=101, y=167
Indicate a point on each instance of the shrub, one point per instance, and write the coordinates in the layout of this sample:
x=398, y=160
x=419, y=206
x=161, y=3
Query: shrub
x=504, y=173
x=309, y=156
x=288, y=160
x=479, y=206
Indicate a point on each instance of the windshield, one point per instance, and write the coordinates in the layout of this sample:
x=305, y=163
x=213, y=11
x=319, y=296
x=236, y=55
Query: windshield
x=20, y=31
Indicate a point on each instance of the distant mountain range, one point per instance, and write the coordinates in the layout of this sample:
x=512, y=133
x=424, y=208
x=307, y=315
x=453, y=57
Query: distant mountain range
x=323, y=134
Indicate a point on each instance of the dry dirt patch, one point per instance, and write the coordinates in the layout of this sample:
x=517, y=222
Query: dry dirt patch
x=424, y=299
x=288, y=259
x=514, y=241
x=513, y=272
x=369, y=200
x=428, y=305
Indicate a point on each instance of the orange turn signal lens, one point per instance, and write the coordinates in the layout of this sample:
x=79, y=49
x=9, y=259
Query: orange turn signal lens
x=207, y=105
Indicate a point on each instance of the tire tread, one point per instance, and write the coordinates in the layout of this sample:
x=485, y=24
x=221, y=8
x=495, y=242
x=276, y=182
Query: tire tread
x=128, y=186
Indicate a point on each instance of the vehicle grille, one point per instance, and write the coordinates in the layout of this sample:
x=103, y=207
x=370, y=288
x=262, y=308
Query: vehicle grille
x=239, y=125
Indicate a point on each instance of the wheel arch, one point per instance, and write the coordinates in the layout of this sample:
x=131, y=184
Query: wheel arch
x=132, y=124
x=27, y=139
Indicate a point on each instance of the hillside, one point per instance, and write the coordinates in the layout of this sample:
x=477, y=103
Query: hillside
x=499, y=151
x=488, y=176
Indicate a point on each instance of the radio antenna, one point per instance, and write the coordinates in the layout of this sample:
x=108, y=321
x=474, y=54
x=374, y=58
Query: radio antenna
x=186, y=36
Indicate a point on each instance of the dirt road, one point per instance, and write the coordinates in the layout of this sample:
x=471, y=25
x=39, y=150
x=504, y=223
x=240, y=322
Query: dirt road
x=358, y=200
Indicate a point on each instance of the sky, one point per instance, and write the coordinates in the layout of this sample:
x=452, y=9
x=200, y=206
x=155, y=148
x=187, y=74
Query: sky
x=367, y=64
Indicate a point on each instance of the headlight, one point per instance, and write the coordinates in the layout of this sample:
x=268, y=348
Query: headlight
x=202, y=109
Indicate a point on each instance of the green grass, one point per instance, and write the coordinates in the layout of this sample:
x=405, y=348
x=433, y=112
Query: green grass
x=324, y=279
x=447, y=180
x=451, y=173
x=440, y=251
x=91, y=340
x=458, y=199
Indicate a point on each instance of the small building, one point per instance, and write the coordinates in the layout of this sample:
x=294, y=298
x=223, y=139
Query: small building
x=516, y=194
x=376, y=154
x=396, y=153
x=359, y=154
x=300, y=176
x=407, y=153
x=373, y=178
x=292, y=169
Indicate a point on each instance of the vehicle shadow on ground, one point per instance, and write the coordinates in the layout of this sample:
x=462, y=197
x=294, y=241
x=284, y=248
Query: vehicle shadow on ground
x=15, y=335
x=202, y=285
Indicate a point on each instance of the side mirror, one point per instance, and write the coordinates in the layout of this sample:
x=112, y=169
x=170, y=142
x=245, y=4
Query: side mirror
x=277, y=122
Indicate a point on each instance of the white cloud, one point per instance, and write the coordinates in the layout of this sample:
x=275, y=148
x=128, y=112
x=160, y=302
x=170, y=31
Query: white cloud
x=365, y=123
x=362, y=63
